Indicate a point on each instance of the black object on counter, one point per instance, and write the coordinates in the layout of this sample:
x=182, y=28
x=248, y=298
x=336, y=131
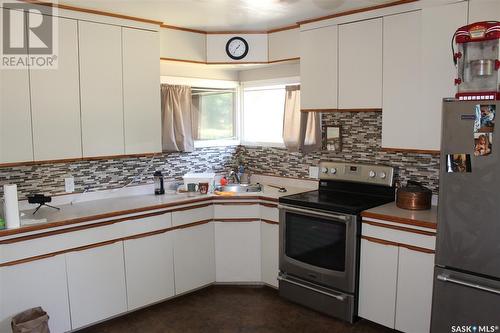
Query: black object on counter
x=159, y=185
x=41, y=200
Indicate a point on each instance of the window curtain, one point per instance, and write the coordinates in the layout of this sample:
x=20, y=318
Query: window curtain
x=177, y=129
x=301, y=130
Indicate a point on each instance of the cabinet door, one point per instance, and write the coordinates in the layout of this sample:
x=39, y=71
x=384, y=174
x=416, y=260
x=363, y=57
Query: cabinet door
x=141, y=91
x=101, y=89
x=37, y=283
x=270, y=253
x=149, y=268
x=439, y=23
x=55, y=100
x=237, y=252
x=194, y=259
x=414, y=301
x=377, y=282
x=96, y=284
x=360, y=65
x=484, y=10
x=402, y=90
x=318, y=68
x=16, y=143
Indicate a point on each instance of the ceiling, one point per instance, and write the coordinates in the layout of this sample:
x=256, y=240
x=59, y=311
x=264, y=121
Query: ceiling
x=226, y=15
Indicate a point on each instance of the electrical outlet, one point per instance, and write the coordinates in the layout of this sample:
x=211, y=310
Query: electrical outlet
x=69, y=184
x=314, y=172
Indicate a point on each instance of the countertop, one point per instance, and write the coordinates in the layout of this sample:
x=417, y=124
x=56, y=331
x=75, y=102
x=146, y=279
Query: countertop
x=85, y=211
x=390, y=212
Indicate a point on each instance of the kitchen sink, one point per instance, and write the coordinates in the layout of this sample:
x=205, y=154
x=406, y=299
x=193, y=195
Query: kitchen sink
x=240, y=188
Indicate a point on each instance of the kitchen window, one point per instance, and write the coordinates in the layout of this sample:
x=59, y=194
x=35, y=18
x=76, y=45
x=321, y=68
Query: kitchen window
x=263, y=110
x=214, y=115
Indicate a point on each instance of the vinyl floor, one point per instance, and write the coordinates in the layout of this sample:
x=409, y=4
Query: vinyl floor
x=221, y=309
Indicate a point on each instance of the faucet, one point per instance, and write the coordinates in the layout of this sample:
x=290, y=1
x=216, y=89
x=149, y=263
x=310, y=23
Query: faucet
x=234, y=175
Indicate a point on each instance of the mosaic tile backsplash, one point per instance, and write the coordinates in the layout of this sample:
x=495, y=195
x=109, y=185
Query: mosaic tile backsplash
x=361, y=138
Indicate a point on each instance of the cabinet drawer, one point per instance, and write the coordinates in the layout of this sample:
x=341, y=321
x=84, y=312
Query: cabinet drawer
x=190, y=215
x=399, y=236
x=64, y=241
x=236, y=210
x=269, y=213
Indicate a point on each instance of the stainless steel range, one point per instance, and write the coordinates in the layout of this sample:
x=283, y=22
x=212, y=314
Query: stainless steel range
x=320, y=236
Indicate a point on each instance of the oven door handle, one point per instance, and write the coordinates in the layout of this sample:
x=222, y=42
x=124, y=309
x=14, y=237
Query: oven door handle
x=315, y=212
x=339, y=297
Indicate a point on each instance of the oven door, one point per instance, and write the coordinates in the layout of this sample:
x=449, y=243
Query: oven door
x=319, y=246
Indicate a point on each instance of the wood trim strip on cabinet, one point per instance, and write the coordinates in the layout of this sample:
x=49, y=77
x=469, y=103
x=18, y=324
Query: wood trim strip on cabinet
x=191, y=207
x=236, y=203
x=92, y=11
x=237, y=32
x=173, y=27
x=423, y=224
x=247, y=219
x=269, y=205
x=269, y=221
x=414, y=151
x=193, y=224
x=290, y=27
x=395, y=227
x=283, y=60
x=78, y=159
x=183, y=60
x=229, y=62
x=390, y=243
x=341, y=110
x=357, y=11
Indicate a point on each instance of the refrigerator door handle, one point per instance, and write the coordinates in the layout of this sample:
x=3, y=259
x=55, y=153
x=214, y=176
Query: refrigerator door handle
x=445, y=278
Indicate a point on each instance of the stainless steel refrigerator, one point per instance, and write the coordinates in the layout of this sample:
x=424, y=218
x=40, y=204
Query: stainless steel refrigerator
x=466, y=295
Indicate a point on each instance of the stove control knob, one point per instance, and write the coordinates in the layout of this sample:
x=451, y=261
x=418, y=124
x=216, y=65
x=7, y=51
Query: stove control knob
x=333, y=171
x=372, y=174
x=382, y=175
x=324, y=170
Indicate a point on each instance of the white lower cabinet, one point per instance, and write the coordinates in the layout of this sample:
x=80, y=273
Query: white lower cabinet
x=378, y=274
x=96, y=284
x=269, y=234
x=237, y=251
x=37, y=283
x=414, y=301
x=194, y=259
x=149, y=269
x=395, y=286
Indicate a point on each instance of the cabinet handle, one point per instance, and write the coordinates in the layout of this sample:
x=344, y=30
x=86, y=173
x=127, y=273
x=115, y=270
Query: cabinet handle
x=406, y=246
x=444, y=278
x=338, y=297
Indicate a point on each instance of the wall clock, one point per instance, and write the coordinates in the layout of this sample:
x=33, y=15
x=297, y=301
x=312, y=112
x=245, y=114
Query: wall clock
x=237, y=48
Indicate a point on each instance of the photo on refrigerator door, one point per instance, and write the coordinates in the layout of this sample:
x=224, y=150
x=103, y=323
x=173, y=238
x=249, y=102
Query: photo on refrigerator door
x=482, y=144
x=484, y=118
x=458, y=163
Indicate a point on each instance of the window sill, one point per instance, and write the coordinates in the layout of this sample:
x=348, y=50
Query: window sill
x=216, y=143
x=263, y=144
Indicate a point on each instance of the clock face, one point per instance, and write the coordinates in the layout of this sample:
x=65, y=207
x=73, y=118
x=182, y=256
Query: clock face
x=237, y=48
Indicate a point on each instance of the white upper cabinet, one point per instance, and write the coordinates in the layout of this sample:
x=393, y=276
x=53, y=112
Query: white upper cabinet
x=141, y=91
x=16, y=144
x=318, y=68
x=402, y=123
x=101, y=89
x=55, y=100
x=484, y=10
x=283, y=44
x=360, y=65
x=439, y=23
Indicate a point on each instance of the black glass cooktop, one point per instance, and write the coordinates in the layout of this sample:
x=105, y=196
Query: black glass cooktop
x=342, y=200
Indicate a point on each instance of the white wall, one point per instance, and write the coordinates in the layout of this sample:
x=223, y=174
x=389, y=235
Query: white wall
x=184, y=69
x=179, y=44
x=270, y=72
x=257, y=48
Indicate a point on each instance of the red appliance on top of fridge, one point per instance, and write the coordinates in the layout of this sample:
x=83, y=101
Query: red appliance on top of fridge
x=478, y=61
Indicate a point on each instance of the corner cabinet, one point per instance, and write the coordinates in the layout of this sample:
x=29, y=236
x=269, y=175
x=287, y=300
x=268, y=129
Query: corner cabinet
x=141, y=91
x=319, y=68
x=484, y=10
x=396, y=276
